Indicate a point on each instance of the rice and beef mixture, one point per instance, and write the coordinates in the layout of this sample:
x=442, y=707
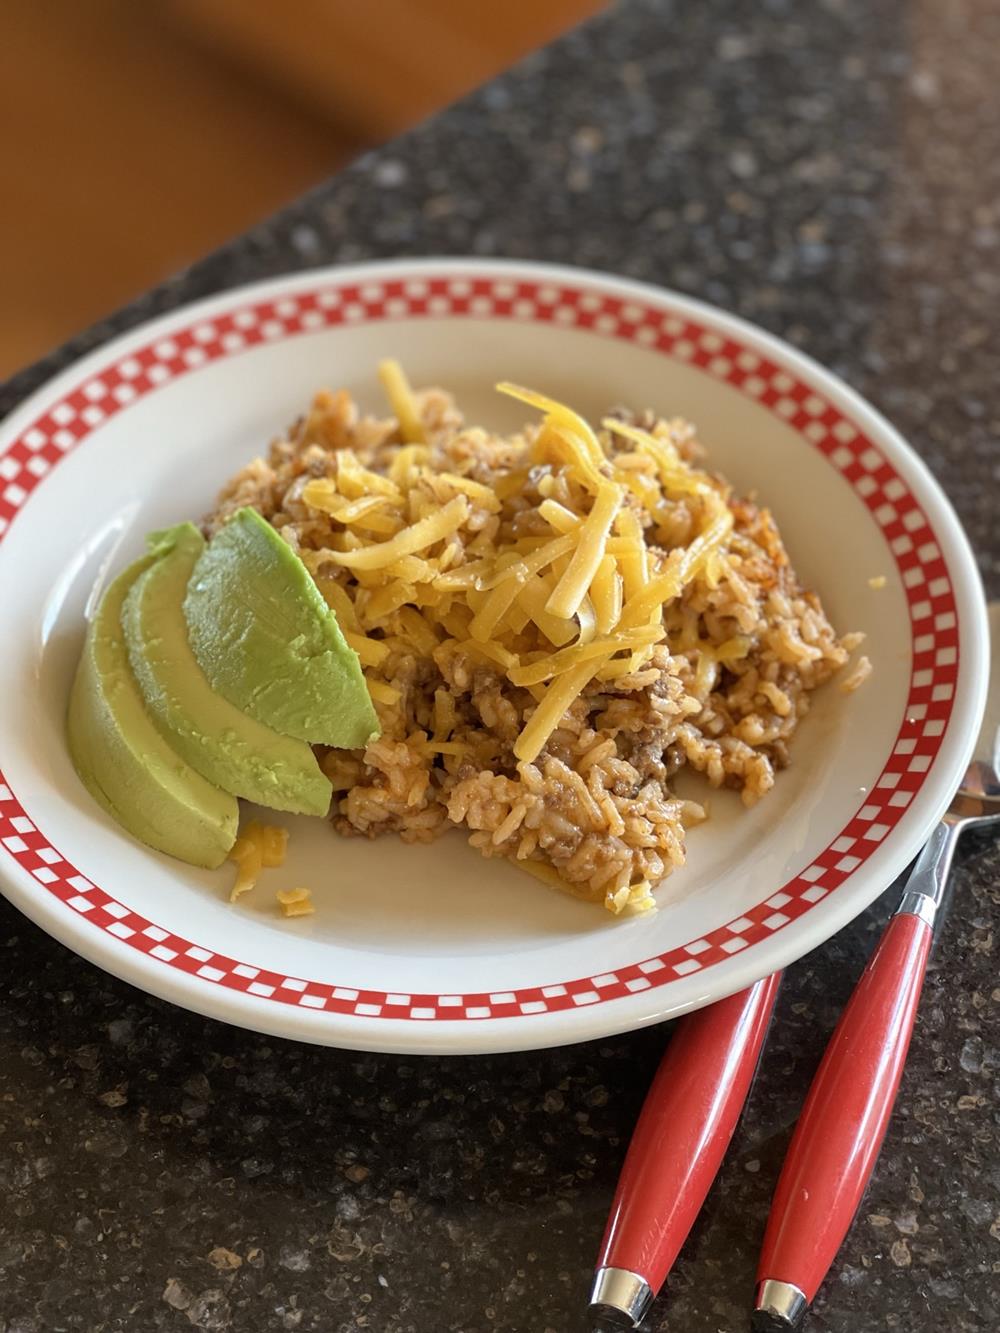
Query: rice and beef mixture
x=551, y=624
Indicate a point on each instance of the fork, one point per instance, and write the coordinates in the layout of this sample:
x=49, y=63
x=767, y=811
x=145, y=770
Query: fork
x=839, y=1134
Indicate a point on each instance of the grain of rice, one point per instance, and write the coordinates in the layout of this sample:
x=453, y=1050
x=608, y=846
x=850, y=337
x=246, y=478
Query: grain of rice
x=857, y=677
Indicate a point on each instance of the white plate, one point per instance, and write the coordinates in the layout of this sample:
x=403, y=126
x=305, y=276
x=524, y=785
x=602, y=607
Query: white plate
x=433, y=948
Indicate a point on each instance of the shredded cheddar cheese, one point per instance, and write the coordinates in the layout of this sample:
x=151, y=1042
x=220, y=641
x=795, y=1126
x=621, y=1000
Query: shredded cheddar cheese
x=568, y=658
x=295, y=902
x=258, y=847
x=355, y=481
x=415, y=538
x=370, y=651
x=581, y=445
x=606, y=594
x=547, y=716
x=587, y=619
x=381, y=692
x=588, y=552
x=533, y=597
x=674, y=476
x=561, y=518
x=400, y=396
x=632, y=898
x=424, y=560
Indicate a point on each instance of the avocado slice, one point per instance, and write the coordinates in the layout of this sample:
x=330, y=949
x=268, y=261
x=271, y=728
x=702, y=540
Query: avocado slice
x=267, y=640
x=226, y=746
x=124, y=761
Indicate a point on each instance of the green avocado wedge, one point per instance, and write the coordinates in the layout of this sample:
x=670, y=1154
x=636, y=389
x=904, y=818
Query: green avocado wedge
x=227, y=747
x=267, y=640
x=124, y=761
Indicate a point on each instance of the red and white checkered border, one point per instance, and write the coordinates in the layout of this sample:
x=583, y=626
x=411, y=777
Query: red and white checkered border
x=82, y=409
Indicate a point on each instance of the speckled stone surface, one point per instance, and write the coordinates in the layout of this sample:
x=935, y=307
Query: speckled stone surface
x=831, y=171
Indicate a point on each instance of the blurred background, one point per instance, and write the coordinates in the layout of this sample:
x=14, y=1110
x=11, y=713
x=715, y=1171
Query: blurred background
x=139, y=134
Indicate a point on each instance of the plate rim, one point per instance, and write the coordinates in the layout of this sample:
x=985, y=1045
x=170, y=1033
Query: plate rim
x=626, y=1012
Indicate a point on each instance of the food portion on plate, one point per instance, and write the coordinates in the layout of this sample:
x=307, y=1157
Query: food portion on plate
x=125, y=761
x=269, y=643
x=153, y=730
x=527, y=636
x=227, y=746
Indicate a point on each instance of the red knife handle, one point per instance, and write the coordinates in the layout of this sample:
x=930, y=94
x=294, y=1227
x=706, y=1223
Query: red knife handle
x=684, y=1130
x=840, y=1131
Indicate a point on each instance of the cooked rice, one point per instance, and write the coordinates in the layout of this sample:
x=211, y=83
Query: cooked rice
x=718, y=682
x=857, y=676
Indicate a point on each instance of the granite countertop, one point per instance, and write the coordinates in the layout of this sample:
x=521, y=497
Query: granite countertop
x=832, y=172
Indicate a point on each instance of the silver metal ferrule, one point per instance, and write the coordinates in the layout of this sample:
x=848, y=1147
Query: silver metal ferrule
x=916, y=903
x=923, y=892
x=620, y=1295
x=782, y=1302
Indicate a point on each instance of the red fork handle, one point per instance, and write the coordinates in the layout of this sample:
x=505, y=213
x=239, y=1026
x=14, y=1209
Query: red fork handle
x=847, y=1111
x=684, y=1130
